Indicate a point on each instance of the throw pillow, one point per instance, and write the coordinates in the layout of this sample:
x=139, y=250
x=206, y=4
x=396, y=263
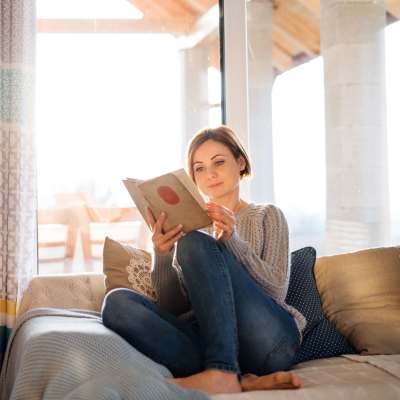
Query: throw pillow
x=360, y=293
x=320, y=337
x=125, y=266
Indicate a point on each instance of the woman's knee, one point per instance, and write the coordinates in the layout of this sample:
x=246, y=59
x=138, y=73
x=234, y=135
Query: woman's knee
x=281, y=358
x=192, y=240
x=191, y=243
x=270, y=344
x=262, y=361
x=119, y=303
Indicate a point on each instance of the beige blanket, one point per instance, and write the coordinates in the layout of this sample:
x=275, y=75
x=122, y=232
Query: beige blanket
x=350, y=377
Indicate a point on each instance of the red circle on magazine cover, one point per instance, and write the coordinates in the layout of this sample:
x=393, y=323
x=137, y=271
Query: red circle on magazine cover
x=168, y=195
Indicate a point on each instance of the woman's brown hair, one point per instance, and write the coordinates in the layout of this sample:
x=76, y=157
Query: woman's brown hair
x=221, y=134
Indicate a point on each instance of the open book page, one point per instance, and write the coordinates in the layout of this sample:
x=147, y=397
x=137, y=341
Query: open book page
x=137, y=196
x=178, y=198
x=190, y=186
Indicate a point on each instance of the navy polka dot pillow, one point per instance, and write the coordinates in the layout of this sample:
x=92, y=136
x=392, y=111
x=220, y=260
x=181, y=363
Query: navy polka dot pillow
x=320, y=337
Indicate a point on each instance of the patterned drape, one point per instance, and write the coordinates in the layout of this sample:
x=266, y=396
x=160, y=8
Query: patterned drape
x=18, y=228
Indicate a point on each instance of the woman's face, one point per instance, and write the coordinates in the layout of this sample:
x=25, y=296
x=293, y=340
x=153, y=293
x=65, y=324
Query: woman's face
x=216, y=171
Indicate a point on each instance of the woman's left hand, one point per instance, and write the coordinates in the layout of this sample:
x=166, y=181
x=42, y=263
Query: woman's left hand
x=223, y=220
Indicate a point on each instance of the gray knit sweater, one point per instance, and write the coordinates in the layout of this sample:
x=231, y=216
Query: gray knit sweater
x=260, y=241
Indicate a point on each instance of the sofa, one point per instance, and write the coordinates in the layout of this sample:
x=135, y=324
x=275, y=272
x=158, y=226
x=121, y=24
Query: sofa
x=73, y=302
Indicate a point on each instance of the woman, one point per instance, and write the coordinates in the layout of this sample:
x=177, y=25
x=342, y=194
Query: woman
x=220, y=323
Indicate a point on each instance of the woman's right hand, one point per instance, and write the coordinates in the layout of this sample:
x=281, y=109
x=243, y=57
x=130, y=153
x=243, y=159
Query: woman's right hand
x=163, y=242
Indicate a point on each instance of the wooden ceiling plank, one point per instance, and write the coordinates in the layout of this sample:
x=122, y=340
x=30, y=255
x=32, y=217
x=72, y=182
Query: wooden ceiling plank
x=302, y=30
x=150, y=8
x=203, y=28
x=281, y=60
x=175, y=8
x=215, y=54
x=196, y=6
x=293, y=41
x=393, y=7
x=313, y=6
x=207, y=4
x=287, y=47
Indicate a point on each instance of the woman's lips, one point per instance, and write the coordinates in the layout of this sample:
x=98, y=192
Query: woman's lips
x=215, y=185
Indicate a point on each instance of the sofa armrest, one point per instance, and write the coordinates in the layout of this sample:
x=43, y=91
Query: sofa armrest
x=84, y=291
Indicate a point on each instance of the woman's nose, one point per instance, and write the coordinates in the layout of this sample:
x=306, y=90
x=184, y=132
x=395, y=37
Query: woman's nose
x=212, y=173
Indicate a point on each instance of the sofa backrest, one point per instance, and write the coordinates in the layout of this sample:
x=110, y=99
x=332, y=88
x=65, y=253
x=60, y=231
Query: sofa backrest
x=360, y=293
x=85, y=291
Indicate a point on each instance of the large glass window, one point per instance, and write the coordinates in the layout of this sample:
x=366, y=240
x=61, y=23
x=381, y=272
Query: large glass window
x=393, y=124
x=299, y=152
x=298, y=149
x=119, y=93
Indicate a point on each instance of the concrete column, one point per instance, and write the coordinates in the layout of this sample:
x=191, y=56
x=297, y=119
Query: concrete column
x=194, y=91
x=353, y=49
x=261, y=78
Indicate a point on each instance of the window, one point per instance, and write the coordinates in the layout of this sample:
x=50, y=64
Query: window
x=327, y=171
x=117, y=96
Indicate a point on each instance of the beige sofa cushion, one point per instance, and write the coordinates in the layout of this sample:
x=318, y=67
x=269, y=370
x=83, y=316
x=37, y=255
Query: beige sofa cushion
x=350, y=377
x=83, y=291
x=127, y=267
x=360, y=293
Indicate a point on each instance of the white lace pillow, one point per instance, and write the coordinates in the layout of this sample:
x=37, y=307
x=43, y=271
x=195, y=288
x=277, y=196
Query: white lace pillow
x=125, y=266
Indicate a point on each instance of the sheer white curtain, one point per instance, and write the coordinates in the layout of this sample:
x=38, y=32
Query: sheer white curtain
x=18, y=244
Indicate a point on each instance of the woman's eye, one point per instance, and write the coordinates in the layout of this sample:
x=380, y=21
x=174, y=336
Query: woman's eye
x=220, y=162
x=198, y=169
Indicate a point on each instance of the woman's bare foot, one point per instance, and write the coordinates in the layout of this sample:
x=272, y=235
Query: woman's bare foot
x=212, y=381
x=277, y=380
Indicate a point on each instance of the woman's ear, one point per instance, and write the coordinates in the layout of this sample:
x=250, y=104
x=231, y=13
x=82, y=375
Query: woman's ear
x=242, y=163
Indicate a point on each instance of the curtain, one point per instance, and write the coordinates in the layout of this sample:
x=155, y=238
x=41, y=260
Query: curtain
x=18, y=200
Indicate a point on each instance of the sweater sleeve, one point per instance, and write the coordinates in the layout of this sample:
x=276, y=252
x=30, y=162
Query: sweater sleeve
x=166, y=284
x=270, y=268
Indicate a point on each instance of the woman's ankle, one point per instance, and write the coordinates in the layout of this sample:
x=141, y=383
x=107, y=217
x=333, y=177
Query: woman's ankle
x=221, y=372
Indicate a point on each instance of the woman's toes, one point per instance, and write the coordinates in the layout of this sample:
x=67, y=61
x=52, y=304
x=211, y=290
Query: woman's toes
x=277, y=380
x=296, y=380
x=286, y=379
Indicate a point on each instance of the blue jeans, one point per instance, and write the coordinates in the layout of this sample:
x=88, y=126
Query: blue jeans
x=234, y=325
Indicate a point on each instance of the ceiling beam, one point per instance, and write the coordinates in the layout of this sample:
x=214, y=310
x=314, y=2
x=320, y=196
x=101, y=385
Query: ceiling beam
x=215, y=54
x=205, y=26
x=313, y=6
x=196, y=6
x=393, y=7
x=304, y=28
x=150, y=8
x=175, y=8
x=170, y=25
x=281, y=60
x=293, y=42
